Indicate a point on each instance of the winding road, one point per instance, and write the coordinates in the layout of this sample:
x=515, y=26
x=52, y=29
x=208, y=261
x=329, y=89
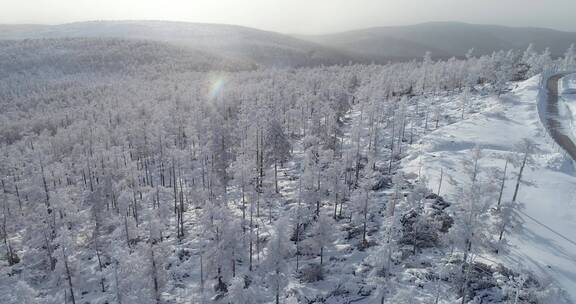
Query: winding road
x=553, y=123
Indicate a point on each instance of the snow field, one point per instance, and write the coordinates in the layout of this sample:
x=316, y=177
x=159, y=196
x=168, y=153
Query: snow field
x=548, y=193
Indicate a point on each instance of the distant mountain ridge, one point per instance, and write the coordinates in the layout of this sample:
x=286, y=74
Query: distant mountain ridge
x=265, y=48
x=443, y=39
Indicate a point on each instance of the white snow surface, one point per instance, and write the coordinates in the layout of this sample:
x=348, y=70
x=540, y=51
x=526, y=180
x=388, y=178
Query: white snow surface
x=567, y=102
x=545, y=245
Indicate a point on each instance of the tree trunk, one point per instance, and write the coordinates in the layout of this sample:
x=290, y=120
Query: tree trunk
x=96, y=247
x=258, y=243
x=440, y=183
x=233, y=265
x=261, y=157
x=18, y=196
x=251, y=252
x=69, y=277
x=502, y=230
x=411, y=130
x=502, y=184
x=465, y=286
x=365, y=220
x=126, y=231
x=392, y=142
x=426, y=120
x=45, y=188
x=335, y=203
x=174, y=185
x=154, y=276
x=520, y=177
x=276, y=176
x=135, y=205
x=277, y=290
x=181, y=213
x=118, y=295
x=90, y=174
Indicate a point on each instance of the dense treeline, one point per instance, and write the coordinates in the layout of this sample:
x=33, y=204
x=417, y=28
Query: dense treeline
x=132, y=175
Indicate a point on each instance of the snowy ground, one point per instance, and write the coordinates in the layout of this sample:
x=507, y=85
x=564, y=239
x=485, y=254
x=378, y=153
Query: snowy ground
x=546, y=244
x=567, y=101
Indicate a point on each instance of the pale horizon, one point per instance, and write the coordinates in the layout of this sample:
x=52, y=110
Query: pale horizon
x=296, y=17
x=290, y=33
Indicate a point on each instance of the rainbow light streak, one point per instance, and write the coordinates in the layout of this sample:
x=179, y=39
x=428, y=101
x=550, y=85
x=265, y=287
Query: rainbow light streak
x=216, y=86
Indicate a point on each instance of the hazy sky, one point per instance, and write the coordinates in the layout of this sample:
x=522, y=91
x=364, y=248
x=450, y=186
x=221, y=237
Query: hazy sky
x=298, y=16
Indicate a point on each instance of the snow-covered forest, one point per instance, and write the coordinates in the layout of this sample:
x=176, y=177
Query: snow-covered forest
x=137, y=172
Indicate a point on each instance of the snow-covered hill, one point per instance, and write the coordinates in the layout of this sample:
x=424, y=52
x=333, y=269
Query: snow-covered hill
x=380, y=44
x=106, y=56
x=236, y=42
x=545, y=244
x=129, y=175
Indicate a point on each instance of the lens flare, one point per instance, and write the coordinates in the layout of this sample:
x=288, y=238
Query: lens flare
x=216, y=86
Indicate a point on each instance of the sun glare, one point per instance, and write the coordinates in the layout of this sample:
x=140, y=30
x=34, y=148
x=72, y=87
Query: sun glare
x=216, y=86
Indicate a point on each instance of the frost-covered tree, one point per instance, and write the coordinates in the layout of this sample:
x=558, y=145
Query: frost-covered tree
x=471, y=230
x=241, y=293
x=278, y=149
x=569, y=59
x=361, y=202
x=137, y=159
x=323, y=235
x=275, y=266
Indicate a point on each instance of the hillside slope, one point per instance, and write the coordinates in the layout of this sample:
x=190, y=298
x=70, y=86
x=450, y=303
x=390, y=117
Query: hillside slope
x=240, y=43
x=546, y=194
x=106, y=56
